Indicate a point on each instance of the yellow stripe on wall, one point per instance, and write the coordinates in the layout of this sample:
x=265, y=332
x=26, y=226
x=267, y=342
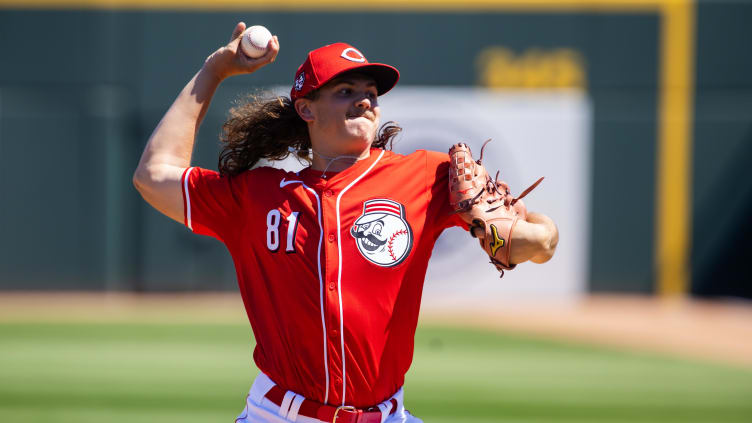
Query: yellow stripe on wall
x=673, y=202
x=675, y=108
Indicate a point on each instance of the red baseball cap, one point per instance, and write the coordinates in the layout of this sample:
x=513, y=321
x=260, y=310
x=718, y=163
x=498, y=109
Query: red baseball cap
x=326, y=63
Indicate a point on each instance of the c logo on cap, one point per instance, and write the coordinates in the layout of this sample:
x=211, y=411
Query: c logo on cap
x=356, y=55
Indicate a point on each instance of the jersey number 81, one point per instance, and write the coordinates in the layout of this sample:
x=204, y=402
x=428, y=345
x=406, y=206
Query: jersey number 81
x=273, y=219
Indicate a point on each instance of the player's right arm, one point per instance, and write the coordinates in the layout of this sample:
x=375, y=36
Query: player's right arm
x=169, y=149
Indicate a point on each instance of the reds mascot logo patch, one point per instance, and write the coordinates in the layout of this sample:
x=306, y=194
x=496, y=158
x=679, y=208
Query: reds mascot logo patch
x=382, y=233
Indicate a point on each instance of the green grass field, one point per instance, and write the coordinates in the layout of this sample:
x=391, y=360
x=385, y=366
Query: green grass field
x=200, y=373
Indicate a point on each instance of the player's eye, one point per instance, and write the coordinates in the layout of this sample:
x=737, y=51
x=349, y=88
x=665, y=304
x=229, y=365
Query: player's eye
x=377, y=228
x=364, y=226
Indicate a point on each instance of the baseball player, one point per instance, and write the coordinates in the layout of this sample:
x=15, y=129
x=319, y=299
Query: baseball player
x=330, y=260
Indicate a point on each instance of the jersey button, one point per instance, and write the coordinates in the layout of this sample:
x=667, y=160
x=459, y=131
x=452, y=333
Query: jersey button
x=332, y=285
x=332, y=237
x=328, y=193
x=335, y=332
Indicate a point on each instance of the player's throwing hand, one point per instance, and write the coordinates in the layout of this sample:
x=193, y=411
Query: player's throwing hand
x=230, y=60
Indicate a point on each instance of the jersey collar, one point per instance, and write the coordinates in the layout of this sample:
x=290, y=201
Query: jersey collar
x=315, y=177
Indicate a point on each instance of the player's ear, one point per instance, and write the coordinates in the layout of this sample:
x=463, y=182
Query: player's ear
x=303, y=107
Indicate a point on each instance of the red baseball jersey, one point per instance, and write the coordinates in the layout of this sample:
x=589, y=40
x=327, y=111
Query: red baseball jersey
x=331, y=268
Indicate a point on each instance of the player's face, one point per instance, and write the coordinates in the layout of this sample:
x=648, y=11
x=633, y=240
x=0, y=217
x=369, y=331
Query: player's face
x=346, y=115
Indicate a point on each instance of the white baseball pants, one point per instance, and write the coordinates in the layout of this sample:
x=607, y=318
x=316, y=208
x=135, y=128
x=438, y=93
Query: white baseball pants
x=259, y=409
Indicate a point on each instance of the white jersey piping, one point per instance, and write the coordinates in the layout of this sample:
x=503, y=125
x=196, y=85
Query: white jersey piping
x=187, y=199
x=282, y=184
x=339, y=272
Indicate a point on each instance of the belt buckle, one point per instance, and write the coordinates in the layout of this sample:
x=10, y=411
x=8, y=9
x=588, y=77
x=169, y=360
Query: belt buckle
x=343, y=407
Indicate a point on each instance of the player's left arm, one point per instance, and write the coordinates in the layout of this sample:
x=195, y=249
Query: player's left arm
x=533, y=239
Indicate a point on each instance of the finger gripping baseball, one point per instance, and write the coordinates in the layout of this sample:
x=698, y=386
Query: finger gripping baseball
x=485, y=204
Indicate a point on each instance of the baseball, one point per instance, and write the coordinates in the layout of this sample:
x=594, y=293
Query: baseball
x=255, y=40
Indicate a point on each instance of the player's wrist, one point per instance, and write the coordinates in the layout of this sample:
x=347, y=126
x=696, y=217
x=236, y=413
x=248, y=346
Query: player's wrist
x=223, y=63
x=212, y=71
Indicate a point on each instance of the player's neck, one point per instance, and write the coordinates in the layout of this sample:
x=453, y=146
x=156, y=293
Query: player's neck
x=327, y=162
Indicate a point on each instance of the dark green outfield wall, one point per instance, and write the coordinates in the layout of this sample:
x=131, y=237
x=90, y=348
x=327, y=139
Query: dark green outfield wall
x=722, y=205
x=80, y=92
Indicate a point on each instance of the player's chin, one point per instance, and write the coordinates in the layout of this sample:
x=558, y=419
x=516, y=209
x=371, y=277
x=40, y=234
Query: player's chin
x=361, y=123
x=362, y=129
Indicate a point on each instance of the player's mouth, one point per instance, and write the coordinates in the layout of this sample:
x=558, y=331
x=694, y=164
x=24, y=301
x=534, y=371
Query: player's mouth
x=353, y=115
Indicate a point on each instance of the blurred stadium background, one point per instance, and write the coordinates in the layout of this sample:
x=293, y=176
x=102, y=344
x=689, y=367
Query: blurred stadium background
x=638, y=112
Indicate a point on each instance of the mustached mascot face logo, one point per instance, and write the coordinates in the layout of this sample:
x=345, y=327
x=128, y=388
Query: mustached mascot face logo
x=382, y=233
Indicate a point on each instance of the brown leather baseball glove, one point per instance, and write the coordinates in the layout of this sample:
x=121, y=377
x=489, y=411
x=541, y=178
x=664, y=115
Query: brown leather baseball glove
x=486, y=204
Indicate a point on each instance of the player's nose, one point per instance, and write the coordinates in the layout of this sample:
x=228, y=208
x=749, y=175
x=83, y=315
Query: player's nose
x=363, y=102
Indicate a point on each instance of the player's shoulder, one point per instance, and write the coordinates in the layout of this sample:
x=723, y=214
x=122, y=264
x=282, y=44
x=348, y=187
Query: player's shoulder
x=428, y=158
x=436, y=157
x=265, y=174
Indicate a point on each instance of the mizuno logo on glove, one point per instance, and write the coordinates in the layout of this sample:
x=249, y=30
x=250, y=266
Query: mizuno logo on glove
x=497, y=241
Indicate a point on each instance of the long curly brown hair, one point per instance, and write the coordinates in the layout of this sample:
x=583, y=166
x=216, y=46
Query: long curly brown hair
x=268, y=127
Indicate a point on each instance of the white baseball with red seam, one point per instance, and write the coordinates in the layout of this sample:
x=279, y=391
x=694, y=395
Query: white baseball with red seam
x=255, y=40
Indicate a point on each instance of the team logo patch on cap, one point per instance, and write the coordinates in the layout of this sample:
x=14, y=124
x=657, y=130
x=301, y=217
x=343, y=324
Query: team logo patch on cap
x=382, y=233
x=353, y=55
x=299, y=81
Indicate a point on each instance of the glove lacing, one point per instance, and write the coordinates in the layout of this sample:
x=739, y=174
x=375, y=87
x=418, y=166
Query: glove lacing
x=492, y=187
